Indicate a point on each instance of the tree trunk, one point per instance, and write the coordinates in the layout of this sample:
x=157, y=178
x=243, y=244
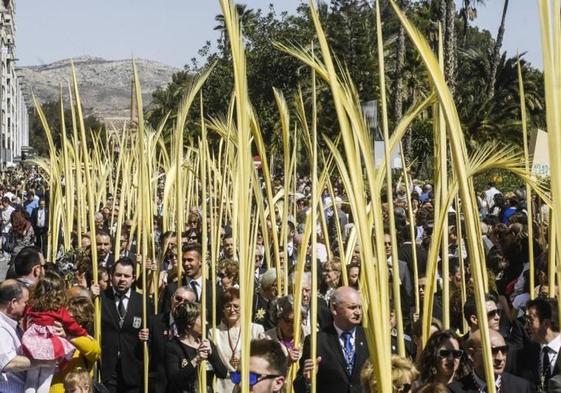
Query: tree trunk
x=398, y=87
x=450, y=60
x=497, y=53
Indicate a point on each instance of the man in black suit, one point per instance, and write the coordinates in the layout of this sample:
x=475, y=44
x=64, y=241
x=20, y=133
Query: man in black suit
x=40, y=221
x=122, y=331
x=341, y=348
x=193, y=277
x=475, y=382
x=538, y=361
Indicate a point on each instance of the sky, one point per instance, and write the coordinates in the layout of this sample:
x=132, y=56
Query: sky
x=172, y=31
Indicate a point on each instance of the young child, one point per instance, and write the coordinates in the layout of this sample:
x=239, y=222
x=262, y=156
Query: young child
x=47, y=306
x=78, y=381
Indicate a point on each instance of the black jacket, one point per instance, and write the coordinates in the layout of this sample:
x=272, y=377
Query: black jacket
x=528, y=360
x=181, y=375
x=509, y=384
x=332, y=376
x=121, y=349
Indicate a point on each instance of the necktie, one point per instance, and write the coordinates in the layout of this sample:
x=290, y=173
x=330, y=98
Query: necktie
x=546, y=368
x=193, y=285
x=121, y=306
x=348, y=351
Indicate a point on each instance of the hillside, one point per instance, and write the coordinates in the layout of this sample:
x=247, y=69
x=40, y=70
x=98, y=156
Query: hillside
x=105, y=85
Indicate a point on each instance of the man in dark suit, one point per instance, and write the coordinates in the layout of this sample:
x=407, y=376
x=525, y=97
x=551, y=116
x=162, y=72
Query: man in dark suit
x=193, y=277
x=341, y=348
x=475, y=382
x=122, y=332
x=538, y=361
x=40, y=221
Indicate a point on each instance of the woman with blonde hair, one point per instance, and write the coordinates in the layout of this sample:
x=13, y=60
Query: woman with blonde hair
x=404, y=374
x=331, y=278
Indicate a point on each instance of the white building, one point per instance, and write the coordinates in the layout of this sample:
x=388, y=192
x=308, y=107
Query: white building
x=14, y=125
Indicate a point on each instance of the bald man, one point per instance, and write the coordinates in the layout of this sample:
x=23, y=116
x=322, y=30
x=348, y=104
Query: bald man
x=341, y=348
x=475, y=382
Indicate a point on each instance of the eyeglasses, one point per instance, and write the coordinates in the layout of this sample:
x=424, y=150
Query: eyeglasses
x=445, y=353
x=405, y=388
x=495, y=350
x=254, y=378
x=493, y=313
x=181, y=299
x=503, y=349
x=231, y=306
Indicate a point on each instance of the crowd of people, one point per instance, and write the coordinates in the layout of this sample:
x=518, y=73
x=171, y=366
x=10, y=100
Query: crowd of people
x=47, y=340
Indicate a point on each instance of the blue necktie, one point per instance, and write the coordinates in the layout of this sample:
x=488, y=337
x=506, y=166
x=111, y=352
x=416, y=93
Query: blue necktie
x=348, y=351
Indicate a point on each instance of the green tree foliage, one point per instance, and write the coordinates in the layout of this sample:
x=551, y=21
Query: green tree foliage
x=351, y=33
x=37, y=138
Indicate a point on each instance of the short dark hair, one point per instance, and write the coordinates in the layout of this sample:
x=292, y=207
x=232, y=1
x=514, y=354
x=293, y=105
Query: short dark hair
x=124, y=261
x=546, y=308
x=9, y=290
x=273, y=353
x=26, y=260
x=471, y=309
x=186, y=247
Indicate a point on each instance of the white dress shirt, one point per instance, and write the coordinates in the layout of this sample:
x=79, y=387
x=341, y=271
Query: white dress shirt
x=126, y=297
x=553, y=350
x=342, y=340
x=10, y=347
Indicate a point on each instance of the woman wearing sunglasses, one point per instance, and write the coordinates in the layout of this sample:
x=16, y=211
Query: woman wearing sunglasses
x=441, y=358
x=228, y=336
x=186, y=351
x=284, y=331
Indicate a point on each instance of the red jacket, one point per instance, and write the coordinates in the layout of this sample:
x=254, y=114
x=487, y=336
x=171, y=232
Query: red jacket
x=48, y=318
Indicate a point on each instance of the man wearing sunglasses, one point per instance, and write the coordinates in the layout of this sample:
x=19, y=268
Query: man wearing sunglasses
x=539, y=361
x=475, y=381
x=341, y=348
x=268, y=366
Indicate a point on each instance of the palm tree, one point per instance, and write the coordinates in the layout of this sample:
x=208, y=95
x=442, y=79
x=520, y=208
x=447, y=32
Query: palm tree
x=497, y=52
x=245, y=15
x=468, y=12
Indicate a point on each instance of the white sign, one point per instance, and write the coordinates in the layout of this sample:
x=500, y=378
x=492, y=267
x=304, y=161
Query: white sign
x=539, y=153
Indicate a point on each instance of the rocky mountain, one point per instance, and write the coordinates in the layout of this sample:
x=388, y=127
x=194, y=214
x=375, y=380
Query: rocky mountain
x=105, y=85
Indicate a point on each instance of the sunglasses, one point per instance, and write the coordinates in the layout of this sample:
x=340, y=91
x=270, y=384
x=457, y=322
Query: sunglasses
x=493, y=313
x=405, y=388
x=254, y=378
x=456, y=353
x=502, y=348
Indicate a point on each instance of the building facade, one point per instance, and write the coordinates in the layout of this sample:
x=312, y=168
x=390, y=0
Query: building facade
x=14, y=123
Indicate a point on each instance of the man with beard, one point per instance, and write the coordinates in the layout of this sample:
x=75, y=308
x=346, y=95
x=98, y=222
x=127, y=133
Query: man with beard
x=122, y=332
x=539, y=361
x=475, y=381
x=105, y=255
x=341, y=348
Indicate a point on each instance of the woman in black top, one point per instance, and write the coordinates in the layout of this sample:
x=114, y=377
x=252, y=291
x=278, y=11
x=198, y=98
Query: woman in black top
x=185, y=353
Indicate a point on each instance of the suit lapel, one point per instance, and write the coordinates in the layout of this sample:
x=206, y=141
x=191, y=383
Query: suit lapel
x=131, y=308
x=336, y=348
x=111, y=306
x=361, y=350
